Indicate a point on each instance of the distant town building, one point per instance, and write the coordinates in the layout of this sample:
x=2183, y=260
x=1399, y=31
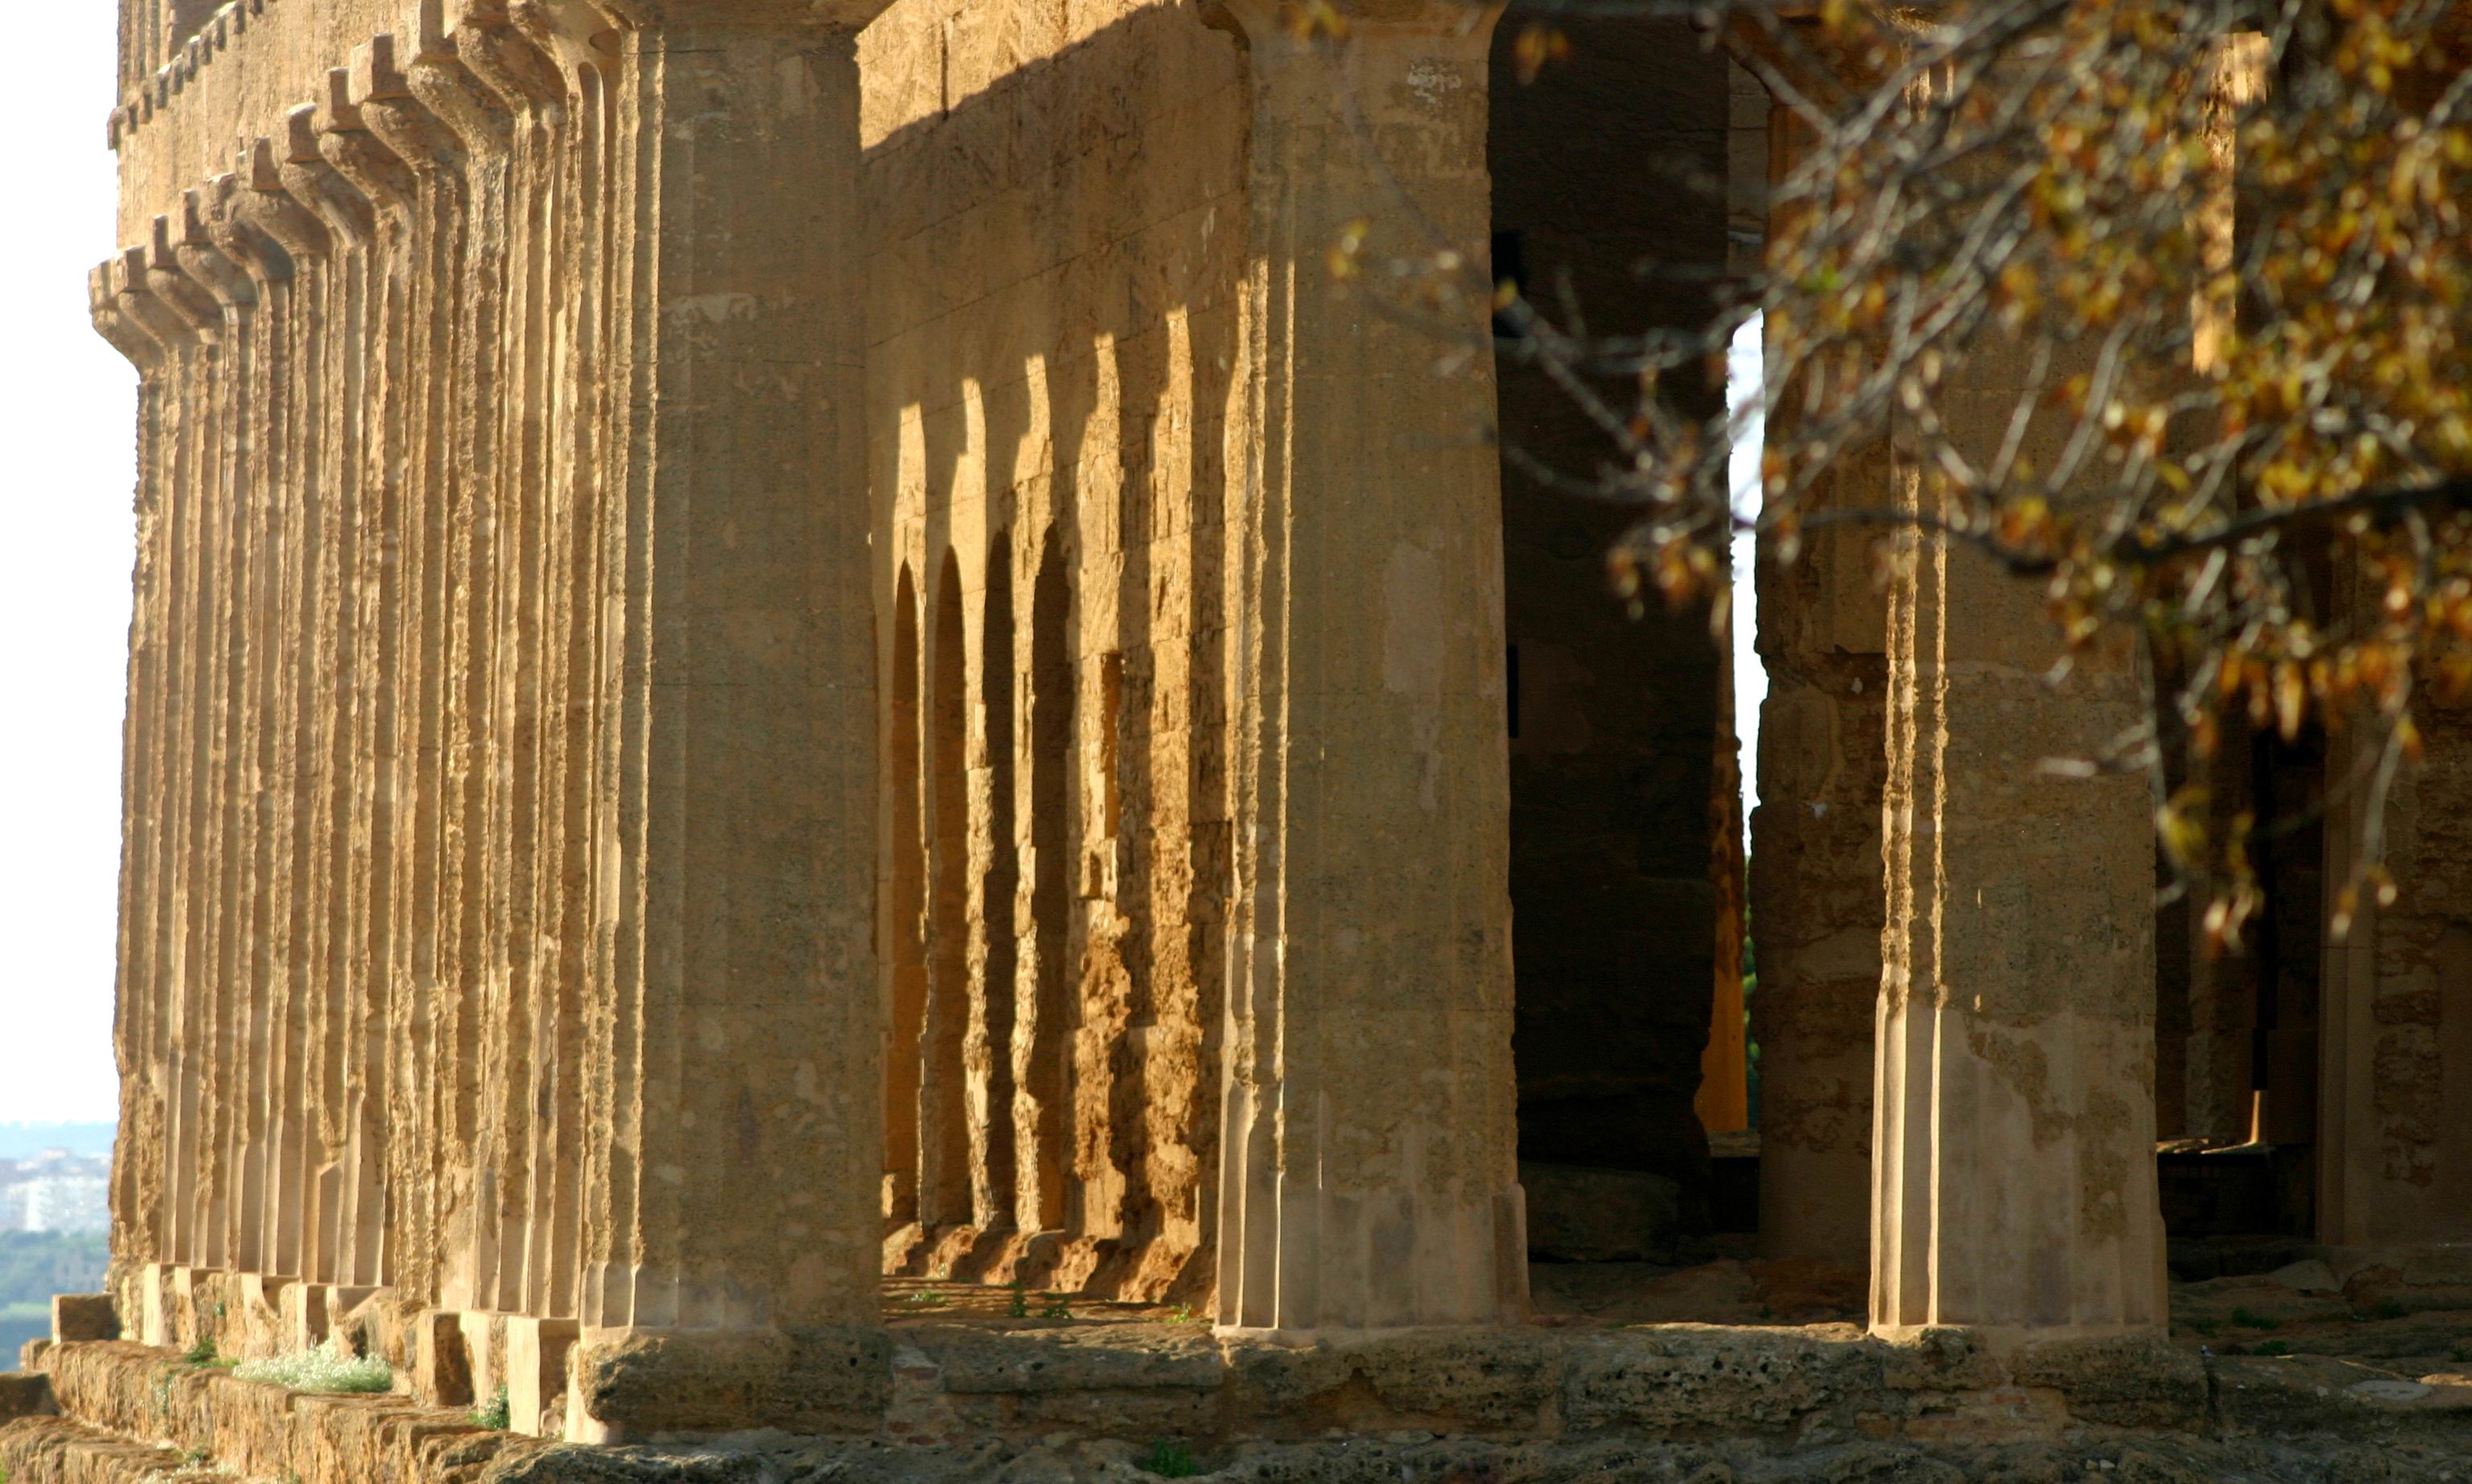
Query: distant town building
x=56, y=1191
x=73, y=1204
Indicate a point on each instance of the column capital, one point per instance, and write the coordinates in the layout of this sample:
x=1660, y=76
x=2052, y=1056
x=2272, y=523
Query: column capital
x=175, y=284
x=441, y=82
x=519, y=65
x=133, y=287
x=357, y=154
x=114, y=321
x=217, y=208
x=383, y=95
x=306, y=177
x=202, y=253
x=267, y=203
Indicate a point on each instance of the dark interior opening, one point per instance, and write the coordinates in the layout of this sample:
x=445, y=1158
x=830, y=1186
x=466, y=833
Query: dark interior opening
x=1615, y=720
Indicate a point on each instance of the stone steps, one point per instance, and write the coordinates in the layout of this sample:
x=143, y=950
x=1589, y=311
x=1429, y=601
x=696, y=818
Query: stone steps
x=62, y=1450
x=102, y=1412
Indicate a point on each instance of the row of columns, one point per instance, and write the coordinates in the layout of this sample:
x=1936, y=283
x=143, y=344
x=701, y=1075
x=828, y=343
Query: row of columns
x=499, y=761
x=499, y=902
x=1997, y=1091
x=502, y=751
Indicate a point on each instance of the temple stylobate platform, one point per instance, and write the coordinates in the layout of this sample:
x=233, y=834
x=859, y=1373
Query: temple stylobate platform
x=1601, y=1383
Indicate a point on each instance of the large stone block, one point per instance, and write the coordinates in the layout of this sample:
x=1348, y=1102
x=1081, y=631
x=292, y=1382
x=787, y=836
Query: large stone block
x=442, y=1366
x=1579, y=1213
x=22, y=1394
x=806, y=1381
x=538, y=1354
x=83, y=1316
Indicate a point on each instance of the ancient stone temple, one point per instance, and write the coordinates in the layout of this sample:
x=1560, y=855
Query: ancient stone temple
x=788, y=643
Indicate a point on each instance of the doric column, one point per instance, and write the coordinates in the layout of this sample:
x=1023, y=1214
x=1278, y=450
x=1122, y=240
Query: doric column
x=1814, y=864
x=2013, y=1176
x=331, y=472
x=1368, y=1173
x=221, y=900
x=190, y=328
x=299, y=246
x=2013, y=1185
x=2395, y=1015
x=369, y=665
x=256, y=299
x=138, y=1196
x=432, y=131
x=733, y=1066
x=2014, y=1182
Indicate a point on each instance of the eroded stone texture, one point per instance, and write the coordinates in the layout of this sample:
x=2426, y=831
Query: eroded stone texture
x=2013, y=1169
x=497, y=880
x=1817, y=902
x=1048, y=430
x=2397, y=1013
x=576, y=447
x=1368, y=1176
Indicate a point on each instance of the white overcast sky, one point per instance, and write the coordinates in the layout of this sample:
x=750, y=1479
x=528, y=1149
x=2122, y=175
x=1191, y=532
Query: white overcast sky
x=66, y=466
x=1743, y=391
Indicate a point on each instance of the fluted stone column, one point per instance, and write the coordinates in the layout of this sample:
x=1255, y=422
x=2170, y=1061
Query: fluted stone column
x=1368, y=1176
x=733, y=1068
x=1814, y=865
x=301, y=245
x=255, y=292
x=2014, y=1180
x=291, y=246
x=189, y=328
x=127, y=317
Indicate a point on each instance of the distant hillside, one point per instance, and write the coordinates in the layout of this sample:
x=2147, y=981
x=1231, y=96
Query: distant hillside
x=25, y=1140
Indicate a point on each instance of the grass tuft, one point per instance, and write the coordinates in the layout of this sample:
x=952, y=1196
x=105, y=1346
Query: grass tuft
x=321, y=1368
x=494, y=1415
x=1168, y=1459
x=2249, y=1320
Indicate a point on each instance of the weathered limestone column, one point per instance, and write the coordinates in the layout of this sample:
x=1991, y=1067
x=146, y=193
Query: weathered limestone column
x=733, y=1066
x=2014, y=1175
x=2394, y=1138
x=2394, y=1014
x=294, y=246
x=189, y=330
x=139, y=330
x=373, y=187
x=1814, y=865
x=1368, y=1166
x=256, y=296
